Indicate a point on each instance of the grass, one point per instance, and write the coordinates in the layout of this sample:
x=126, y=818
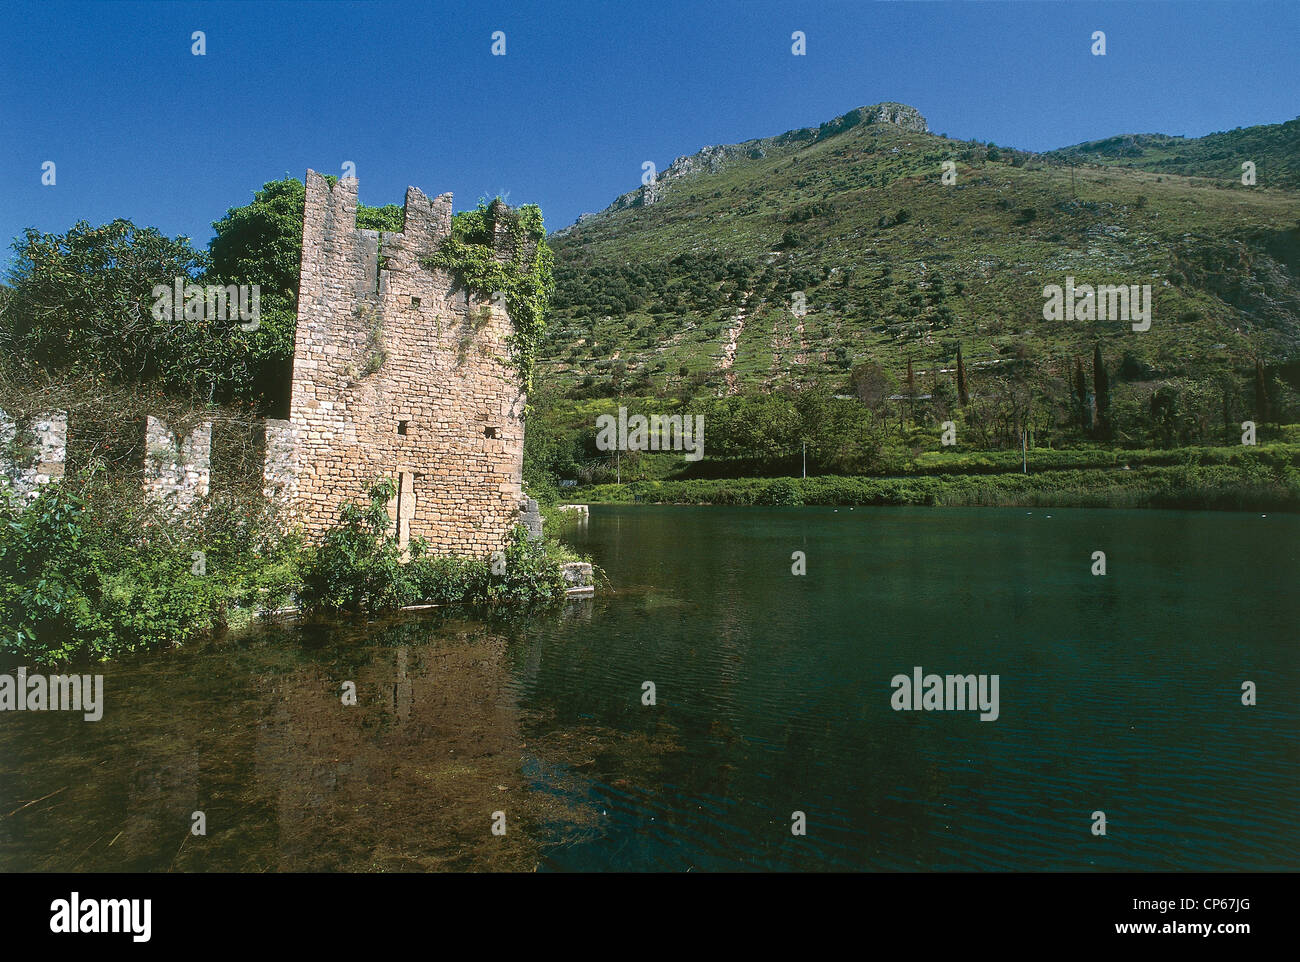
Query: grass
x=655, y=289
x=1243, y=484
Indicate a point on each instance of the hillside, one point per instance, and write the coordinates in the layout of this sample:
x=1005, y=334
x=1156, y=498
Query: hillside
x=1273, y=148
x=685, y=287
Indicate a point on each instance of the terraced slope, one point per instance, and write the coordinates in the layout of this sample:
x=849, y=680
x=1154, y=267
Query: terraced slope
x=791, y=259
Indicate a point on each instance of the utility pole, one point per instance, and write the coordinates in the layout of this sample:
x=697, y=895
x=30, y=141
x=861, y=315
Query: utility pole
x=1024, y=450
x=805, y=460
x=618, y=466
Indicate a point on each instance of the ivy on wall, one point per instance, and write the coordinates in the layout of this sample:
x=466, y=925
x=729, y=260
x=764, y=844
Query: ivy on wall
x=528, y=287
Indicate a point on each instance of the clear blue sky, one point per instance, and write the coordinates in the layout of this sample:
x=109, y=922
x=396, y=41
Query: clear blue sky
x=587, y=91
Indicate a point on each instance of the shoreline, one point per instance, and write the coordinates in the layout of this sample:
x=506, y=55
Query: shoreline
x=1195, y=488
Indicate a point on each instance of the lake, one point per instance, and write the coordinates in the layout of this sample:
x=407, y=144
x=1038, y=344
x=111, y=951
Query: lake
x=773, y=693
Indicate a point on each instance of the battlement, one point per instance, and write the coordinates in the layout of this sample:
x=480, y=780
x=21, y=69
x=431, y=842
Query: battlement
x=32, y=451
x=401, y=373
x=173, y=465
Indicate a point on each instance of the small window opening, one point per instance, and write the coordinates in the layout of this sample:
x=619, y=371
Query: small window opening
x=402, y=427
x=415, y=302
x=489, y=432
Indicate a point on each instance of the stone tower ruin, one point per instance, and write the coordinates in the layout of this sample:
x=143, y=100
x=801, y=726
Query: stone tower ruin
x=398, y=373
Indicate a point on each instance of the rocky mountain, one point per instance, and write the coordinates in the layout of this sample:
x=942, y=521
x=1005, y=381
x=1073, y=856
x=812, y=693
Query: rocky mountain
x=793, y=259
x=713, y=160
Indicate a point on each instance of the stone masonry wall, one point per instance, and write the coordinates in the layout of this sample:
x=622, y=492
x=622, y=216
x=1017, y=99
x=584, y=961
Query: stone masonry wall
x=399, y=375
x=177, y=471
x=279, y=474
x=33, y=454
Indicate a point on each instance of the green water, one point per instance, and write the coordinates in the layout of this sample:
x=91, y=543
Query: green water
x=1119, y=694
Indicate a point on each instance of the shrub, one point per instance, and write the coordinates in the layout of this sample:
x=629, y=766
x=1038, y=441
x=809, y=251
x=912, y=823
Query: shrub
x=78, y=580
x=359, y=567
x=782, y=492
x=49, y=580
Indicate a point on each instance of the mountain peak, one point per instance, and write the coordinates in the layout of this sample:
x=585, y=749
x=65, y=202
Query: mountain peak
x=901, y=115
x=714, y=158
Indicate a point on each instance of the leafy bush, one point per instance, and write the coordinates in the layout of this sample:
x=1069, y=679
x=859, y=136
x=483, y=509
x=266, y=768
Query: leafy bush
x=50, y=589
x=783, y=493
x=359, y=567
x=99, y=572
x=527, y=573
x=72, y=584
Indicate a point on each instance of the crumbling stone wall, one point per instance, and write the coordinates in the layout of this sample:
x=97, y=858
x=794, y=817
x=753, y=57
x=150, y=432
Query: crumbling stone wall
x=280, y=470
x=177, y=470
x=237, y=457
x=33, y=453
x=530, y=516
x=398, y=374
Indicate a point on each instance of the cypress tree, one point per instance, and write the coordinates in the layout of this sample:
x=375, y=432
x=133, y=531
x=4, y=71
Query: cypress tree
x=1261, y=394
x=1081, y=396
x=911, y=392
x=1101, y=390
x=1226, y=392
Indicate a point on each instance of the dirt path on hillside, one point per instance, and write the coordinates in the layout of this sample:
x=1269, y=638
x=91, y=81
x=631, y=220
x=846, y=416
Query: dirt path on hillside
x=728, y=360
x=784, y=332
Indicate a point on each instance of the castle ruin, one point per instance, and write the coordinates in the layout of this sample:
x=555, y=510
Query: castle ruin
x=399, y=372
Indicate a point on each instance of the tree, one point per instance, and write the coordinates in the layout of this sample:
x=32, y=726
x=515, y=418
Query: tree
x=83, y=301
x=963, y=397
x=1101, y=391
x=261, y=243
x=943, y=399
x=1165, y=414
x=1261, y=394
x=872, y=384
x=1229, y=392
x=1082, y=407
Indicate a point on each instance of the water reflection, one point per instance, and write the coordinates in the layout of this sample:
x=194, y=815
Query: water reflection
x=255, y=735
x=772, y=692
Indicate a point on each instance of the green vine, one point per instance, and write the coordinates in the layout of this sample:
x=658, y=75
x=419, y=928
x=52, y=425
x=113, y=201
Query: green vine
x=369, y=315
x=22, y=447
x=375, y=353
x=469, y=255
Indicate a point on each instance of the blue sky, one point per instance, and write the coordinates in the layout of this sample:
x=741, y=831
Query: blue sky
x=410, y=92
